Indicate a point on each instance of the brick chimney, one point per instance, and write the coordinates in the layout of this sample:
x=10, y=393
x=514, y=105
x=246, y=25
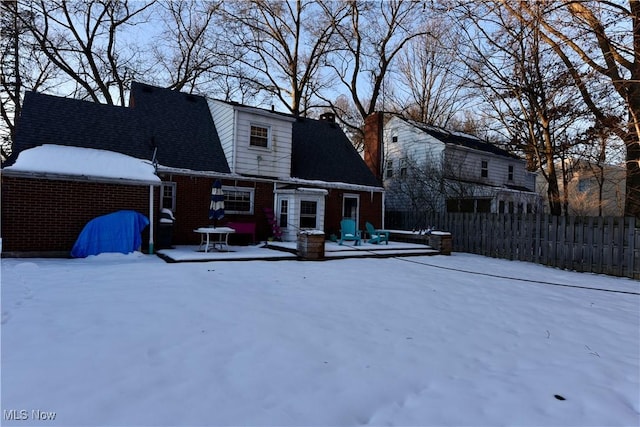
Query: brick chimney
x=373, y=126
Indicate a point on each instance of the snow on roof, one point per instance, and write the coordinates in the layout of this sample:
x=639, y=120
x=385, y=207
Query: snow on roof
x=83, y=162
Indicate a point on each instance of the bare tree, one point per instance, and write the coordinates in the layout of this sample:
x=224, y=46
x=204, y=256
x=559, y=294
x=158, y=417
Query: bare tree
x=22, y=67
x=280, y=46
x=601, y=37
x=81, y=39
x=430, y=76
x=188, y=56
x=368, y=42
x=429, y=185
x=524, y=87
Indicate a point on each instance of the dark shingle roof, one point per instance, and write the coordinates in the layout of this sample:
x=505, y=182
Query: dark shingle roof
x=465, y=140
x=179, y=125
x=47, y=119
x=321, y=151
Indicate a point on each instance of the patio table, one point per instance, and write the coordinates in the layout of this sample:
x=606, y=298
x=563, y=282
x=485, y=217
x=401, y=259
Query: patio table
x=210, y=237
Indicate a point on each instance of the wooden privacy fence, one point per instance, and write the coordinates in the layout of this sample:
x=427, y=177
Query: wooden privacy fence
x=605, y=245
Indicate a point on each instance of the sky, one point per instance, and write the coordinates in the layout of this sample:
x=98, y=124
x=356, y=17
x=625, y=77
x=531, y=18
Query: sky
x=431, y=341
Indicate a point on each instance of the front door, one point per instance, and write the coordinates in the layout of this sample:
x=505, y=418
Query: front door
x=350, y=207
x=282, y=215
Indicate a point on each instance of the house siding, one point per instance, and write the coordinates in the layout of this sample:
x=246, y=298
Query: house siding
x=41, y=215
x=223, y=118
x=274, y=161
x=460, y=164
x=411, y=144
x=468, y=166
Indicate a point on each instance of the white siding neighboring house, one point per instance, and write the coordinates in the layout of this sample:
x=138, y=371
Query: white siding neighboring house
x=430, y=169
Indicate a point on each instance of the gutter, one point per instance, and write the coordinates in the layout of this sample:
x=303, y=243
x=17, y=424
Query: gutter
x=286, y=180
x=78, y=178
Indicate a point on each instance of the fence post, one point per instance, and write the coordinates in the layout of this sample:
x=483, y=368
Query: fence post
x=630, y=224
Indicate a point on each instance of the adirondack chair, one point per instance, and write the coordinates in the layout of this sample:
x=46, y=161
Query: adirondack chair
x=348, y=231
x=377, y=236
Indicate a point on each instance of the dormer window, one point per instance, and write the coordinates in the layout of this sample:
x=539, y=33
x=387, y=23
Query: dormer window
x=484, y=169
x=259, y=136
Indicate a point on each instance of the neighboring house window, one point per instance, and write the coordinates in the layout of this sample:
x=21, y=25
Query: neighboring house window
x=283, y=219
x=583, y=185
x=168, y=195
x=501, y=206
x=403, y=168
x=510, y=172
x=394, y=138
x=484, y=169
x=389, y=172
x=259, y=136
x=308, y=213
x=238, y=200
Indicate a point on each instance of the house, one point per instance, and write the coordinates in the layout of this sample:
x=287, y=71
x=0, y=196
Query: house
x=592, y=189
x=304, y=172
x=429, y=169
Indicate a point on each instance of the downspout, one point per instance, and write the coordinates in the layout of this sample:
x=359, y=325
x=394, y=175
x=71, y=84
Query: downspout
x=150, y=219
x=234, y=142
x=383, y=209
x=154, y=162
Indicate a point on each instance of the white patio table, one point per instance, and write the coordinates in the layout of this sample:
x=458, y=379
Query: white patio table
x=214, y=237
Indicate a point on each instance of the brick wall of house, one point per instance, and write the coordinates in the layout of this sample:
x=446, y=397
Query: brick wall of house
x=193, y=195
x=373, y=127
x=47, y=216
x=370, y=210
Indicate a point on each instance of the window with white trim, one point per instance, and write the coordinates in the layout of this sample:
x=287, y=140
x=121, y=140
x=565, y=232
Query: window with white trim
x=238, y=200
x=389, y=169
x=308, y=213
x=259, y=136
x=283, y=218
x=168, y=195
x=484, y=169
x=403, y=168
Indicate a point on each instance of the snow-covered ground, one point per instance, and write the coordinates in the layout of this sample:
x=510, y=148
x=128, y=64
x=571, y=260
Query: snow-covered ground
x=131, y=340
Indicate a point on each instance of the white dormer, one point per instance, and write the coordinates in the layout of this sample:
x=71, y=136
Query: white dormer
x=256, y=142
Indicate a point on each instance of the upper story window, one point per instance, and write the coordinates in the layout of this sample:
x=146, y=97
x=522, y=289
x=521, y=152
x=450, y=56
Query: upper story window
x=389, y=170
x=403, y=168
x=484, y=169
x=394, y=138
x=510, y=177
x=259, y=136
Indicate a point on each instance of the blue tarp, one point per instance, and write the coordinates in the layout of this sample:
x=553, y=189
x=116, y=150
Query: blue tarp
x=116, y=232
